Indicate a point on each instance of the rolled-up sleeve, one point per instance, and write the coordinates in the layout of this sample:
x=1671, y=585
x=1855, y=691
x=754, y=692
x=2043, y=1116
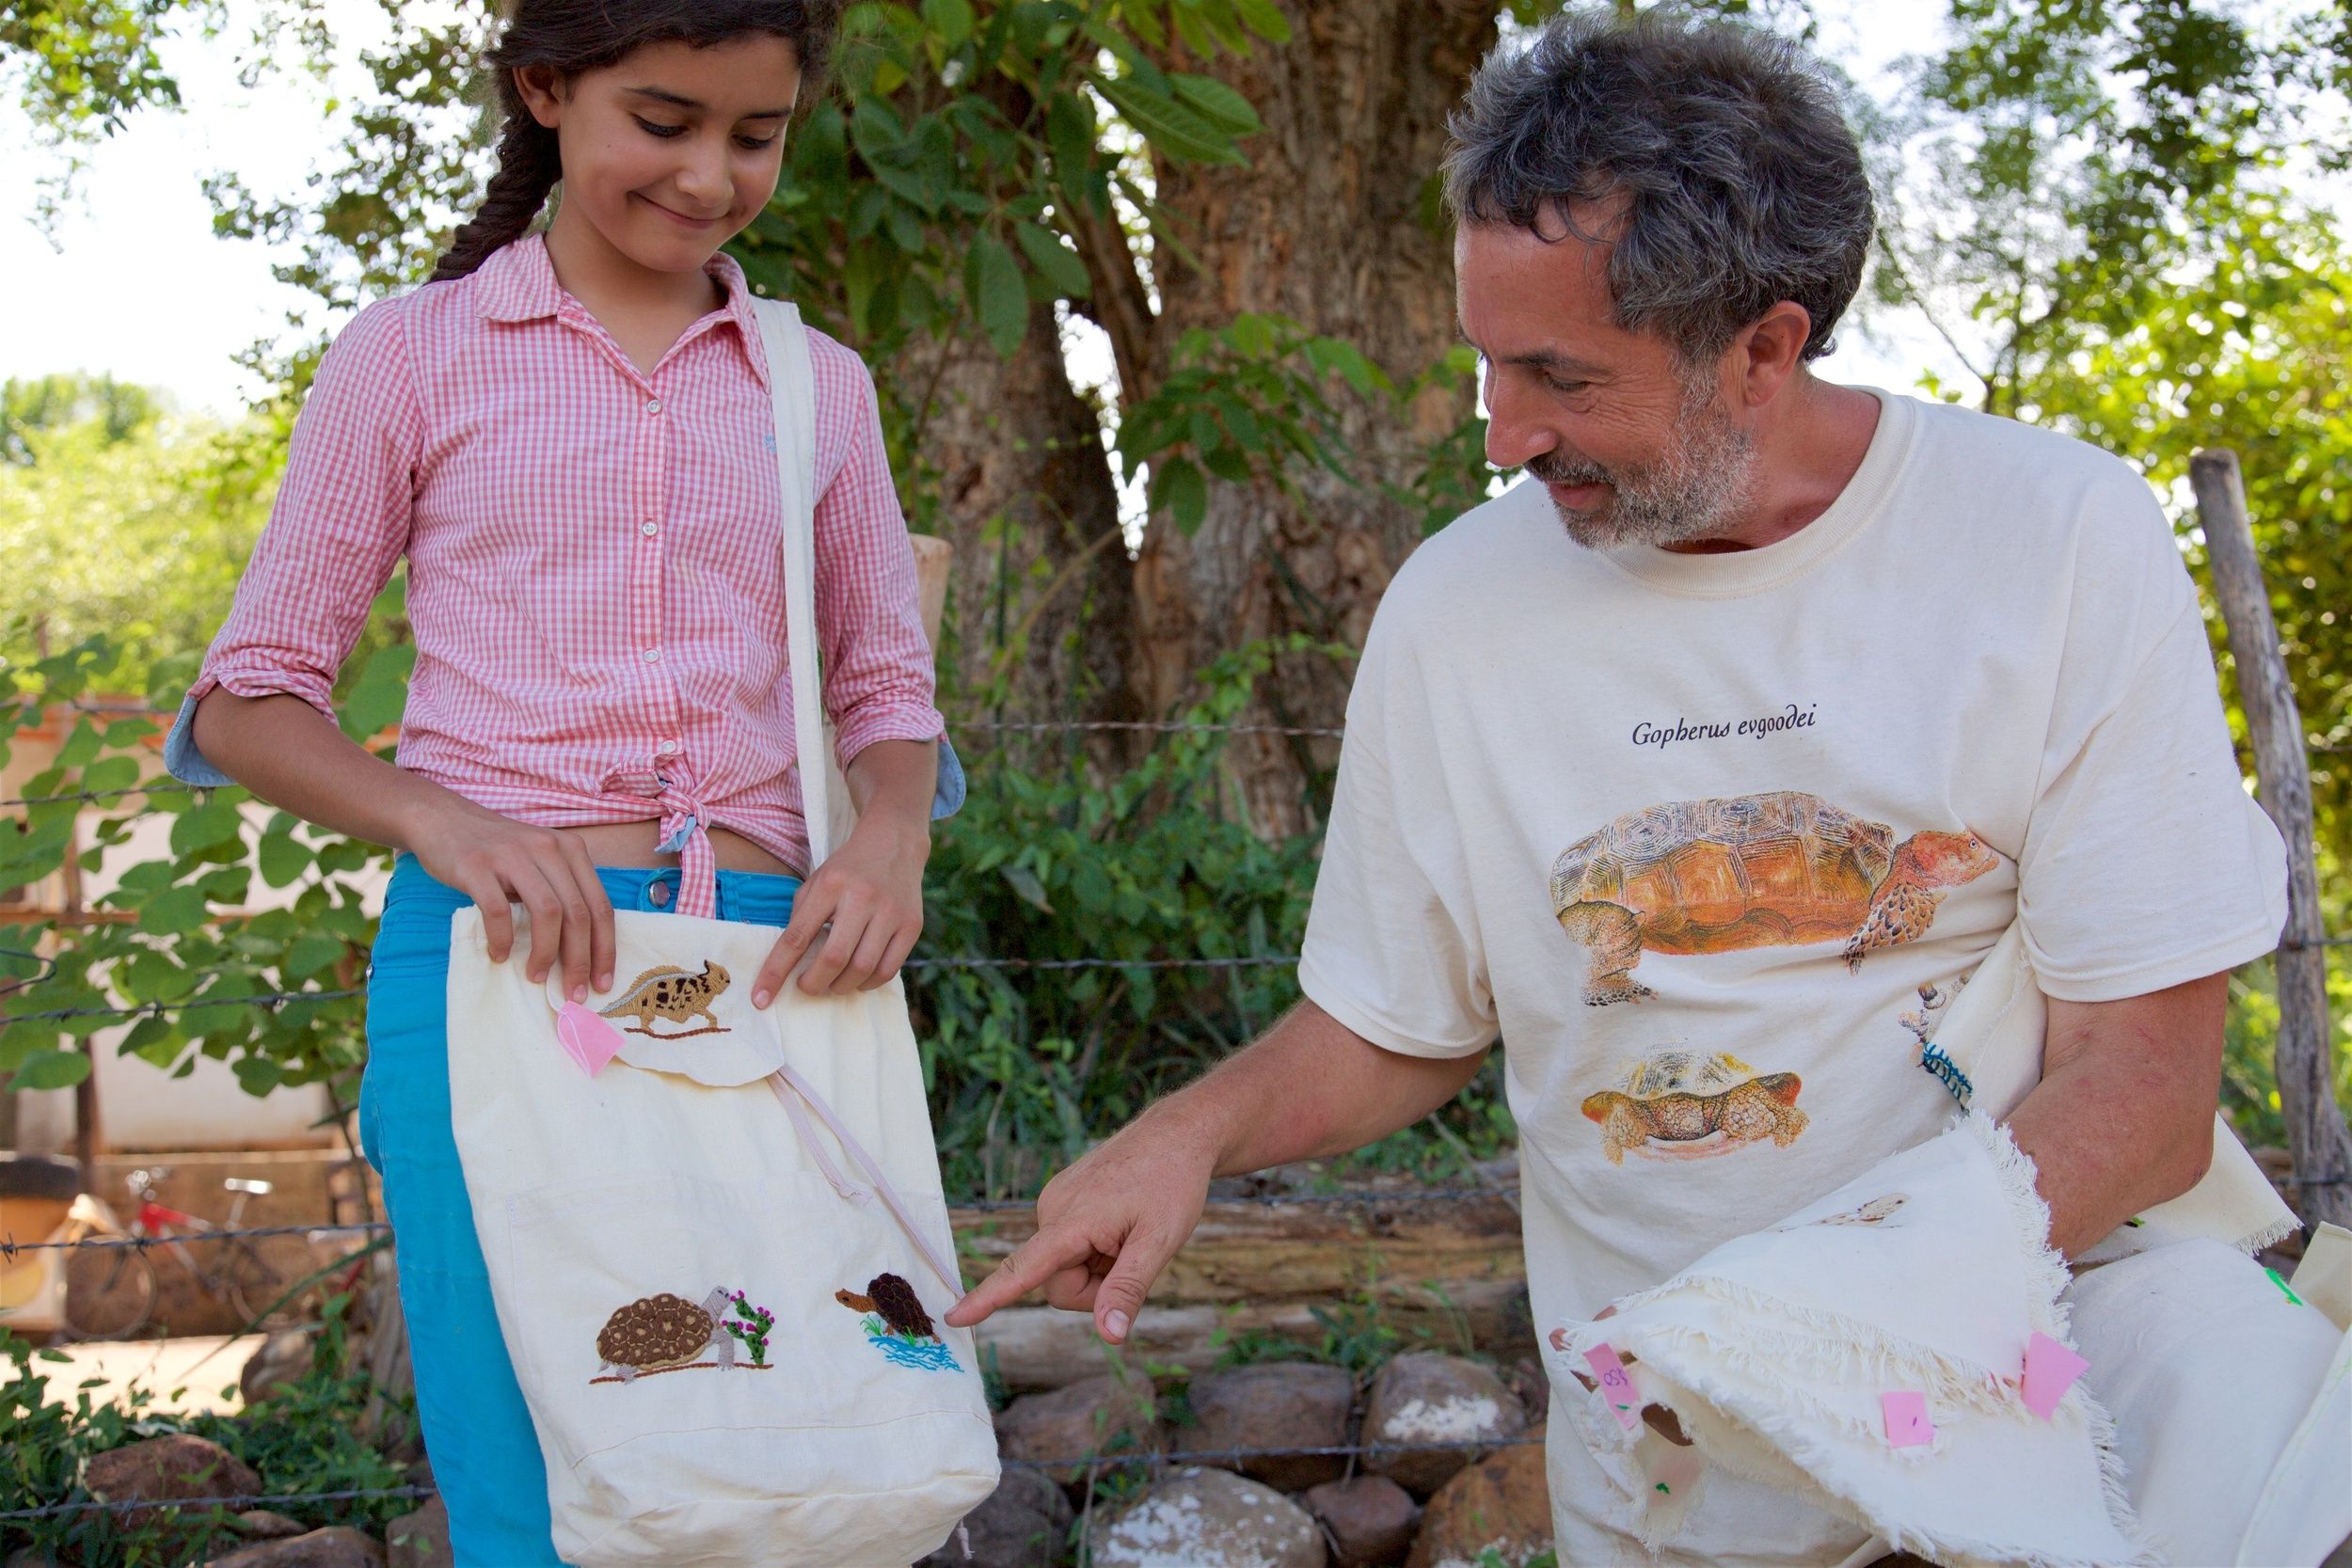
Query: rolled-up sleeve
x=880, y=682
x=337, y=530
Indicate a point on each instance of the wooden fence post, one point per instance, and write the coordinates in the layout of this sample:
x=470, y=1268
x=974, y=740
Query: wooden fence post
x=2317, y=1138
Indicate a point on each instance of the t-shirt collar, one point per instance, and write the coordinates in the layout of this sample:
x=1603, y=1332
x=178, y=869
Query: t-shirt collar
x=516, y=283
x=1738, y=572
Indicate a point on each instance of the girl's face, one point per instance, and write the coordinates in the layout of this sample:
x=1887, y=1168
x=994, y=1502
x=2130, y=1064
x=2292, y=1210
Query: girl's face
x=671, y=151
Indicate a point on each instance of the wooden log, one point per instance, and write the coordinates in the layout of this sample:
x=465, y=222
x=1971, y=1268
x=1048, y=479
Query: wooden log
x=2316, y=1136
x=1035, y=1348
x=1302, y=1251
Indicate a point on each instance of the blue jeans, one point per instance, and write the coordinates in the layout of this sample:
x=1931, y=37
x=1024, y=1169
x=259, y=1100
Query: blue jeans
x=486, y=1457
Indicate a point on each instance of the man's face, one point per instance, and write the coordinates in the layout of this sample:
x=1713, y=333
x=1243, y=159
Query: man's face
x=1634, y=446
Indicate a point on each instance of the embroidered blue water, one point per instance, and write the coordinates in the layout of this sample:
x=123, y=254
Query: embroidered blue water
x=1943, y=1069
x=916, y=1354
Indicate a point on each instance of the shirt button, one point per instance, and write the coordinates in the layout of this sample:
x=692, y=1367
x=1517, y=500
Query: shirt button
x=649, y=528
x=651, y=655
x=653, y=405
x=669, y=747
x=658, y=895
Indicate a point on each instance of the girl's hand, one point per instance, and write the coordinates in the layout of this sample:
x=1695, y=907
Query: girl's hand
x=871, y=894
x=495, y=861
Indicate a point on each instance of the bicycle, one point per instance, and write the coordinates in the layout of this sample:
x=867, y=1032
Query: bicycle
x=110, y=1291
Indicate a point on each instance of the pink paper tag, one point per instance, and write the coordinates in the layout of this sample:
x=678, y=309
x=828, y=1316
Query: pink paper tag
x=1907, y=1423
x=587, y=1038
x=2051, y=1370
x=1615, y=1386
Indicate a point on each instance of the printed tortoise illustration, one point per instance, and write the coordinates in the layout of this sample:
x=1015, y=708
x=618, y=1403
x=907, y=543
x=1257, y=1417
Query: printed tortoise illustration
x=894, y=1301
x=655, y=1332
x=1776, y=870
x=1690, y=1104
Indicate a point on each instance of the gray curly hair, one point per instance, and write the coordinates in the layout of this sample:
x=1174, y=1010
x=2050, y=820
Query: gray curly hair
x=1740, y=183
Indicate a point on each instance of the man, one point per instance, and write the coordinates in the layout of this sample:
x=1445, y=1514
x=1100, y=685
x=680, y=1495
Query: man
x=1760, y=704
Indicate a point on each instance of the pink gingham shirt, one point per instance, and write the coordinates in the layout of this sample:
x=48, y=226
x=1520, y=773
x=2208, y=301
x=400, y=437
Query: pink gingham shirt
x=596, y=573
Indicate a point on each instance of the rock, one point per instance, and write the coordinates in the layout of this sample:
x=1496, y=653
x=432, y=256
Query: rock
x=1532, y=1385
x=1282, y=1405
x=1209, y=1519
x=1096, y=1415
x=259, y=1524
x=1501, y=1504
x=1437, y=1400
x=420, y=1540
x=1023, y=1524
x=1370, y=1520
x=164, y=1471
x=283, y=1358
x=337, y=1547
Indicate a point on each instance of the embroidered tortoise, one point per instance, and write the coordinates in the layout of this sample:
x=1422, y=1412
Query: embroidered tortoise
x=668, y=991
x=1689, y=1104
x=892, y=1300
x=1776, y=870
x=660, y=1331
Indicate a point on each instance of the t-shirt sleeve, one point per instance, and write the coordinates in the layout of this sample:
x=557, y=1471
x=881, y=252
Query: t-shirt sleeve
x=2146, y=864
x=1392, y=950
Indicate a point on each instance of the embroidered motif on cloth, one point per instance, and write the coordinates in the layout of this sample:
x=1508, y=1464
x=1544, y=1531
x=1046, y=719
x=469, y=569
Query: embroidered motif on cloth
x=897, y=1325
x=669, y=1334
x=1945, y=1070
x=667, y=991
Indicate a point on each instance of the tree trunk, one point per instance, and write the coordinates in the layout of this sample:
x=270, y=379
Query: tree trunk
x=1335, y=224
x=1039, y=600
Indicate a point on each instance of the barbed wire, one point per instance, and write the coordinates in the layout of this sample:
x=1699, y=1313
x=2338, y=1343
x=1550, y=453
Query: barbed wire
x=62, y=796
x=1235, y=1456
x=1144, y=726
x=1366, y=1197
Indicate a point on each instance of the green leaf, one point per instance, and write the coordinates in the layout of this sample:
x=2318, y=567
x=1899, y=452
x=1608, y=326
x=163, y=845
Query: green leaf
x=381, y=692
x=110, y=774
x=283, y=858
x=51, y=1070
x=1070, y=132
x=258, y=1075
x=951, y=20
x=1025, y=882
x=1265, y=19
x=1061, y=267
x=1168, y=125
x=1223, y=107
x=1177, y=488
x=172, y=912
x=215, y=822
x=310, y=954
x=998, y=294
x=81, y=746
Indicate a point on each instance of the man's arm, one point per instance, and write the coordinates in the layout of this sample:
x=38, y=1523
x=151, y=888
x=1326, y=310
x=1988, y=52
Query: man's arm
x=1108, y=1224
x=2122, y=1119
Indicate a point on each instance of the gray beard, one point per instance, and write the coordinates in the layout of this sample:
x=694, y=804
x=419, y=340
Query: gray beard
x=1689, y=493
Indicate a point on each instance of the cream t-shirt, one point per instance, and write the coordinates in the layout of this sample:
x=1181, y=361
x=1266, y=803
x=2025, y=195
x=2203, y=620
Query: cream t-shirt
x=1690, y=833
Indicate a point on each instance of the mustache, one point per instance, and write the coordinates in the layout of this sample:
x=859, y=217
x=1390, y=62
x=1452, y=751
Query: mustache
x=1552, y=468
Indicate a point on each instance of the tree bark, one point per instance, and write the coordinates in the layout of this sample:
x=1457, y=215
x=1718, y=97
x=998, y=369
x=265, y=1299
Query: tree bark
x=1335, y=224
x=1039, y=605
x=2317, y=1138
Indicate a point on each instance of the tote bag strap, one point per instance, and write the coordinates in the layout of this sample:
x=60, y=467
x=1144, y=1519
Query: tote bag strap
x=792, y=396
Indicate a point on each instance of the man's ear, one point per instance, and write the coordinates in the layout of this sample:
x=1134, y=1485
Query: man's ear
x=542, y=87
x=1772, y=349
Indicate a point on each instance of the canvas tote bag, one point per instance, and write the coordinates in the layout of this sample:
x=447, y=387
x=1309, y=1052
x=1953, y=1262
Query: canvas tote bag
x=716, y=1236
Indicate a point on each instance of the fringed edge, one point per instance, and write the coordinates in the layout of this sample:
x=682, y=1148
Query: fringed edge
x=2269, y=1235
x=2049, y=1278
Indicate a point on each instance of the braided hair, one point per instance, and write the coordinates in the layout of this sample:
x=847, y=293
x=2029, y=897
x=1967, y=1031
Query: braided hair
x=576, y=36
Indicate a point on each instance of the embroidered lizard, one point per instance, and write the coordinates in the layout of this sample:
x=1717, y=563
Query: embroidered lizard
x=669, y=992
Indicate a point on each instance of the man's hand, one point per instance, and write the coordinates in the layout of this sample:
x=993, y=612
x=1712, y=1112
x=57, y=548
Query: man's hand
x=1106, y=1226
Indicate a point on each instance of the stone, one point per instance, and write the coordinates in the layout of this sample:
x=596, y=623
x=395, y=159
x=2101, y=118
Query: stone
x=1095, y=1416
x=1450, y=1405
x=164, y=1471
x=282, y=1357
x=1280, y=1405
x=1369, y=1519
x=337, y=1547
x=420, y=1540
x=1023, y=1524
x=259, y=1524
x=1499, y=1505
x=1200, y=1518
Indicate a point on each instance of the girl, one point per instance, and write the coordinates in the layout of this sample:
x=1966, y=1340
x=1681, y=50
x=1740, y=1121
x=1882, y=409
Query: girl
x=568, y=436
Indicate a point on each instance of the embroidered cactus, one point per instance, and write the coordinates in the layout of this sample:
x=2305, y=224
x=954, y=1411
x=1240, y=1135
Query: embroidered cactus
x=753, y=1330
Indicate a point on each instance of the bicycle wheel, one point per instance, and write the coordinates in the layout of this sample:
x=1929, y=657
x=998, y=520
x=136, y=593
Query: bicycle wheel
x=109, y=1291
x=274, y=1281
